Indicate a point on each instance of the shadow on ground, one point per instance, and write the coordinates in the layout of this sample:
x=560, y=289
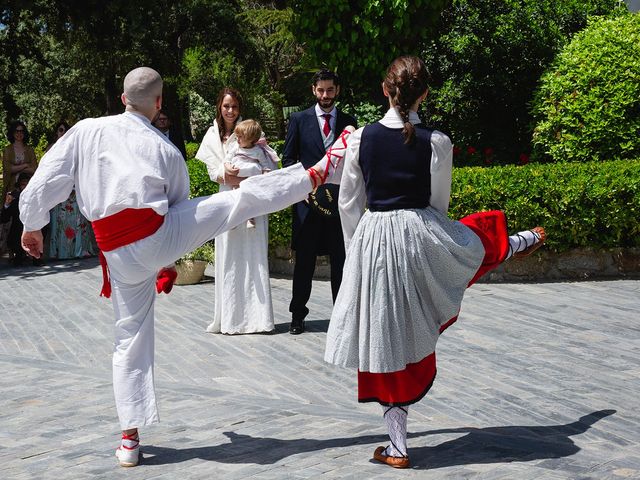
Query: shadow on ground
x=474, y=446
x=309, y=326
x=50, y=267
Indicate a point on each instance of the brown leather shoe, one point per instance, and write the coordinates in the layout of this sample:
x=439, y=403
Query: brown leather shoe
x=528, y=251
x=395, y=462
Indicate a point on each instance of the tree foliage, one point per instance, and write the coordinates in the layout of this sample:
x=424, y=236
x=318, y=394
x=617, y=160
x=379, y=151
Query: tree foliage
x=84, y=48
x=486, y=59
x=588, y=104
x=359, y=39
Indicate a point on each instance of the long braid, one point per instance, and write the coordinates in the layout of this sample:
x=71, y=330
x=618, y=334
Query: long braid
x=406, y=81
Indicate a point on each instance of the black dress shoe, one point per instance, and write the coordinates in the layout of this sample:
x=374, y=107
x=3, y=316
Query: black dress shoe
x=296, y=328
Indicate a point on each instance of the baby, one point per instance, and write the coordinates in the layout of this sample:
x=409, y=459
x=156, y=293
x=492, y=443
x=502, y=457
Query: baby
x=252, y=156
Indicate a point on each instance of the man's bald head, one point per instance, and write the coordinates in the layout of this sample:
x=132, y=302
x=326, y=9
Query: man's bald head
x=142, y=88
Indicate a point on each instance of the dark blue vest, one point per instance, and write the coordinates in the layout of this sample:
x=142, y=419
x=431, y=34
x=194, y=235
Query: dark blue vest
x=396, y=175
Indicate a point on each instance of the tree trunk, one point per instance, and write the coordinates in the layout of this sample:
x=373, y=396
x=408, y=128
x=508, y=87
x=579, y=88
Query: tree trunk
x=112, y=94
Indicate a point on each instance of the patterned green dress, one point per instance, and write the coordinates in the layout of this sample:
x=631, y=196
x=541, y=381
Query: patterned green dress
x=71, y=233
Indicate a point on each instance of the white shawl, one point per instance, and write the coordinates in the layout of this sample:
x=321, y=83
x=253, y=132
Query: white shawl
x=212, y=151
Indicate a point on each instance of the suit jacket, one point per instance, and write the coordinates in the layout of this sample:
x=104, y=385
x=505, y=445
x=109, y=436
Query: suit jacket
x=303, y=144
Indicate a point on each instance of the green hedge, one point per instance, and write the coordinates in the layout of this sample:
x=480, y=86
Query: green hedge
x=593, y=204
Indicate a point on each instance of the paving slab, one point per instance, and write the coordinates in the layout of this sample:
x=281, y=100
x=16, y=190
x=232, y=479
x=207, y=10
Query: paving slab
x=535, y=381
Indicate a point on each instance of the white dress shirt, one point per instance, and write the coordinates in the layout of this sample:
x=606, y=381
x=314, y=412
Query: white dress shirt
x=328, y=140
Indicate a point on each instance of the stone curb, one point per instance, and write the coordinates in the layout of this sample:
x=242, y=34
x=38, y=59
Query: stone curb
x=576, y=264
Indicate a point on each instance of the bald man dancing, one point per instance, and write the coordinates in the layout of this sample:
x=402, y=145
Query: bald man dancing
x=132, y=183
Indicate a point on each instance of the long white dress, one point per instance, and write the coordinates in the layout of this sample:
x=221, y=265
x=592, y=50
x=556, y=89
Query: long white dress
x=242, y=288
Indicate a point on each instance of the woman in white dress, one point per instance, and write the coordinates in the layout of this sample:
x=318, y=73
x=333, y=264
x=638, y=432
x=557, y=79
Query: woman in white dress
x=242, y=288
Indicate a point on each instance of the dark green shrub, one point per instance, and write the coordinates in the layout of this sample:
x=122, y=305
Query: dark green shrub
x=3, y=143
x=277, y=145
x=280, y=229
x=588, y=104
x=360, y=38
x=592, y=204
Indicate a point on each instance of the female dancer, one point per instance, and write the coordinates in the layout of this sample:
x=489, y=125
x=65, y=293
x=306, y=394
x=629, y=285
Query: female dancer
x=407, y=264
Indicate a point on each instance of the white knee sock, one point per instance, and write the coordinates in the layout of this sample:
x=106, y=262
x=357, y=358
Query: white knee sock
x=521, y=241
x=396, y=418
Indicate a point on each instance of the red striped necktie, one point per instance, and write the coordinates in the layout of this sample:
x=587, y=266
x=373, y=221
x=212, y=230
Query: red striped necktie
x=326, y=129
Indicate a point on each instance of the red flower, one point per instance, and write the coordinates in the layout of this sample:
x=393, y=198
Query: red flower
x=488, y=161
x=456, y=150
x=70, y=233
x=488, y=151
x=524, y=159
x=471, y=150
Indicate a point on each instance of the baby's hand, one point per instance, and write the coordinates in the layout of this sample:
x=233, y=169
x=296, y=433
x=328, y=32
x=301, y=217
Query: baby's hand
x=231, y=170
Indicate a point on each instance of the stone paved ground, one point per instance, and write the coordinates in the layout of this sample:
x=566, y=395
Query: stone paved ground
x=536, y=381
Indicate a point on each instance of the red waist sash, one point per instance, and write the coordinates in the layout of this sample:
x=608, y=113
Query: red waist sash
x=120, y=229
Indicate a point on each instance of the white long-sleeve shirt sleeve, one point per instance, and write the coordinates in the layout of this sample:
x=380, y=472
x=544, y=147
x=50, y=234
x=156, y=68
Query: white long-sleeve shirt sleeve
x=352, y=198
x=51, y=183
x=441, y=167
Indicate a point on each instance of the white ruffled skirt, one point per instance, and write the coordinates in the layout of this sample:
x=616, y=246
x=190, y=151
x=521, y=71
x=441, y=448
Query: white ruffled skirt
x=404, y=277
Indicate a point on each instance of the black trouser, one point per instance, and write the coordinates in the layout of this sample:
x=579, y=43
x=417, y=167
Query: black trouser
x=318, y=236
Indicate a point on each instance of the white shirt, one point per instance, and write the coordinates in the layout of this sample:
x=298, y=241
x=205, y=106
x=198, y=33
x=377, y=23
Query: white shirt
x=353, y=198
x=115, y=162
x=332, y=121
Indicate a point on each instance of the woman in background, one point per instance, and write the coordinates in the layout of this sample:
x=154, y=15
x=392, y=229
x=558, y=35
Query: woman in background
x=18, y=156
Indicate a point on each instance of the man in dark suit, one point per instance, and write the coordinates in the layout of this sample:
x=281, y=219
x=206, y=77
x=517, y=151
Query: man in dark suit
x=310, y=133
x=163, y=123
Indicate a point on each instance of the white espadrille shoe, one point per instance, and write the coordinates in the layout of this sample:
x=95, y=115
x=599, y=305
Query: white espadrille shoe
x=128, y=453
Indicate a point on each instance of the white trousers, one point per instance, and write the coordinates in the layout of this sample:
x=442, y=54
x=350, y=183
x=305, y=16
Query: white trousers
x=134, y=267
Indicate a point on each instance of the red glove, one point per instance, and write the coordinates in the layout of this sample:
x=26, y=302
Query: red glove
x=165, y=279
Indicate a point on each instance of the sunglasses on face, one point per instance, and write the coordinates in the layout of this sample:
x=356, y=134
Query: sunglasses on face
x=19, y=131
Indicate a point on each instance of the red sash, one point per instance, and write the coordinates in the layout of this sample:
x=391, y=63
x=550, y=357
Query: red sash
x=120, y=229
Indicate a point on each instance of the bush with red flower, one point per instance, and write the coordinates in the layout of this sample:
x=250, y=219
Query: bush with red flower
x=471, y=156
